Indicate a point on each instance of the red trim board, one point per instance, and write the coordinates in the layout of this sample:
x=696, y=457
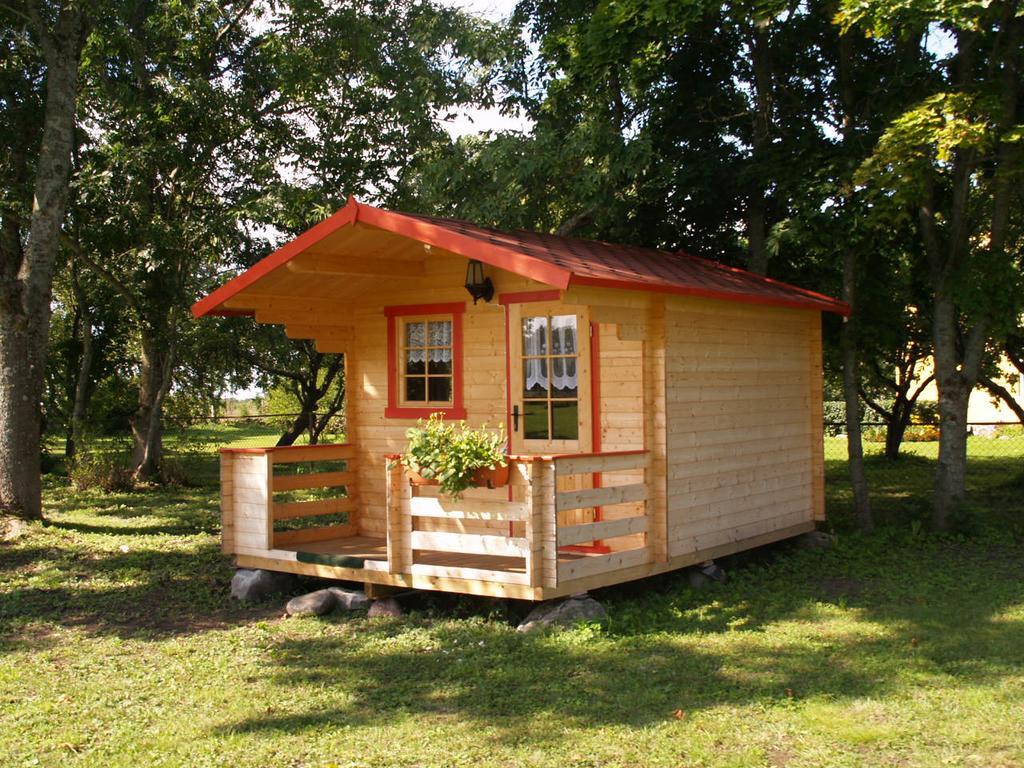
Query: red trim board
x=457, y=409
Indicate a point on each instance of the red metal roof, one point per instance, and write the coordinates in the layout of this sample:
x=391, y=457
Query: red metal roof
x=550, y=259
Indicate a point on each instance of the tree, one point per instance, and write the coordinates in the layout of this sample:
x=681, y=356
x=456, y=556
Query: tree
x=38, y=170
x=951, y=160
x=314, y=381
x=208, y=128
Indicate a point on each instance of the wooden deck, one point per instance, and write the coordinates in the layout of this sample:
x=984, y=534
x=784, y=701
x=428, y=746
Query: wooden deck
x=547, y=535
x=370, y=548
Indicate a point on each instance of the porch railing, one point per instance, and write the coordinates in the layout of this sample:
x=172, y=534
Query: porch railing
x=604, y=469
x=250, y=488
x=530, y=547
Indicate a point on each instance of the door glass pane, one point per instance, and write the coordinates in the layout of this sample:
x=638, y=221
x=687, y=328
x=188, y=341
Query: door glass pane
x=535, y=377
x=535, y=420
x=415, y=390
x=535, y=335
x=563, y=335
x=563, y=377
x=565, y=420
x=414, y=335
x=440, y=389
x=414, y=361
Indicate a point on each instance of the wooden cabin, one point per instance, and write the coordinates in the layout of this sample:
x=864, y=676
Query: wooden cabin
x=662, y=409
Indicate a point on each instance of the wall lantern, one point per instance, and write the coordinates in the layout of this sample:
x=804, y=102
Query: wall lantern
x=479, y=287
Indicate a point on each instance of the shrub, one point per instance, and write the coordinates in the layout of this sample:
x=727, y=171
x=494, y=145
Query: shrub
x=106, y=471
x=921, y=433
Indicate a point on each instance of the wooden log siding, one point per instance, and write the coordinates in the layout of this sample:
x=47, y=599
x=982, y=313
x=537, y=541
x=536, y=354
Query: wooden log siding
x=743, y=398
x=638, y=550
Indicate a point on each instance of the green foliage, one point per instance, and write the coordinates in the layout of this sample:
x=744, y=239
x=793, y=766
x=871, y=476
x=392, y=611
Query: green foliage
x=452, y=452
x=101, y=470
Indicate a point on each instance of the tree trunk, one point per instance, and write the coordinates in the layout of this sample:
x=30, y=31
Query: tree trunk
x=156, y=368
x=851, y=388
x=894, y=432
x=82, y=384
x=950, y=478
x=954, y=384
x=20, y=483
x=300, y=425
x=26, y=288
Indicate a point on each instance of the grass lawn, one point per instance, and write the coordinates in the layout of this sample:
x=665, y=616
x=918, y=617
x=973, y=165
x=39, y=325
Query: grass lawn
x=119, y=646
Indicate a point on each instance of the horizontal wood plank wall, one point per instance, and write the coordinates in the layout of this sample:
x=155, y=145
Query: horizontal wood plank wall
x=227, y=503
x=817, y=416
x=622, y=417
x=250, y=484
x=740, y=412
x=483, y=380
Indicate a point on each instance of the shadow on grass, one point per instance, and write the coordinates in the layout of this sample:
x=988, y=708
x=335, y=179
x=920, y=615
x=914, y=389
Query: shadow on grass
x=838, y=625
x=140, y=592
x=178, y=528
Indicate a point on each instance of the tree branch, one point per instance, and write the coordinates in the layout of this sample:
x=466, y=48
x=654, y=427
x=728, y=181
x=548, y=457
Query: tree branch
x=1003, y=394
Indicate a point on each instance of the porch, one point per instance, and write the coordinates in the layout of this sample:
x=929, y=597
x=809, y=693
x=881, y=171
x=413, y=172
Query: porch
x=564, y=524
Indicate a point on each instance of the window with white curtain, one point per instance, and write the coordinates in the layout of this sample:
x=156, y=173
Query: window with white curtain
x=425, y=360
x=550, y=384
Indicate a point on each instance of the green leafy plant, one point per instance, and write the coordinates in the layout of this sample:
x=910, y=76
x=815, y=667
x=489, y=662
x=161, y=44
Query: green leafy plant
x=451, y=453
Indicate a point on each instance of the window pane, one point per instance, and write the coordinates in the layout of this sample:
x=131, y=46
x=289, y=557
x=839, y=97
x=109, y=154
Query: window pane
x=440, y=389
x=440, y=361
x=535, y=378
x=563, y=335
x=414, y=335
x=415, y=390
x=563, y=377
x=535, y=335
x=414, y=361
x=565, y=420
x=439, y=333
x=535, y=420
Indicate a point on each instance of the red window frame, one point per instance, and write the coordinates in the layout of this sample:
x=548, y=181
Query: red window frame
x=394, y=409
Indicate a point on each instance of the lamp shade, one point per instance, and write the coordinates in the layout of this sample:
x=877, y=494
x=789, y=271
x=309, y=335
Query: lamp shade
x=478, y=284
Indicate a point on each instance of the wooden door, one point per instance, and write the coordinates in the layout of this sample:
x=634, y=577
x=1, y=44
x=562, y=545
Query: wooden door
x=550, y=380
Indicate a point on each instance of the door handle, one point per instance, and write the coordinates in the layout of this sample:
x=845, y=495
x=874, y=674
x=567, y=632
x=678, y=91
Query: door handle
x=515, y=418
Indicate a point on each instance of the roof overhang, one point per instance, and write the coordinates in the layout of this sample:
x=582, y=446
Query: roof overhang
x=411, y=227
x=493, y=248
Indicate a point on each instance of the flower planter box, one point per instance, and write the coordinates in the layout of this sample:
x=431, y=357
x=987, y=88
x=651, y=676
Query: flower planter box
x=415, y=478
x=491, y=478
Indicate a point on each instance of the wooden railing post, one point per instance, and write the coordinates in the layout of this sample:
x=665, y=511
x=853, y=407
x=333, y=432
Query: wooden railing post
x=268, y=457
x=227, y=502
x=542, y=491
x=399, y=520
x=534, y=524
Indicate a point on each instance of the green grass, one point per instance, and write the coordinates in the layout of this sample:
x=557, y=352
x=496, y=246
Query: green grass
x=119, y=646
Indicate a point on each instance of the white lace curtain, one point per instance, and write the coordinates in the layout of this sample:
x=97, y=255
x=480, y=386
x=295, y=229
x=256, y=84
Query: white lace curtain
x=563, y=342
x=436, y=333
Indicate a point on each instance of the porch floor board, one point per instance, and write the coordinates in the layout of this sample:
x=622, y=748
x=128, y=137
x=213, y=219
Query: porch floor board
x=363, y=547
x=375, y=548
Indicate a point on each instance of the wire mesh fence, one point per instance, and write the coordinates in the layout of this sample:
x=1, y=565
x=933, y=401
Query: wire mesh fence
x=211, y=433
x=191, y=445
x=986, y=440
